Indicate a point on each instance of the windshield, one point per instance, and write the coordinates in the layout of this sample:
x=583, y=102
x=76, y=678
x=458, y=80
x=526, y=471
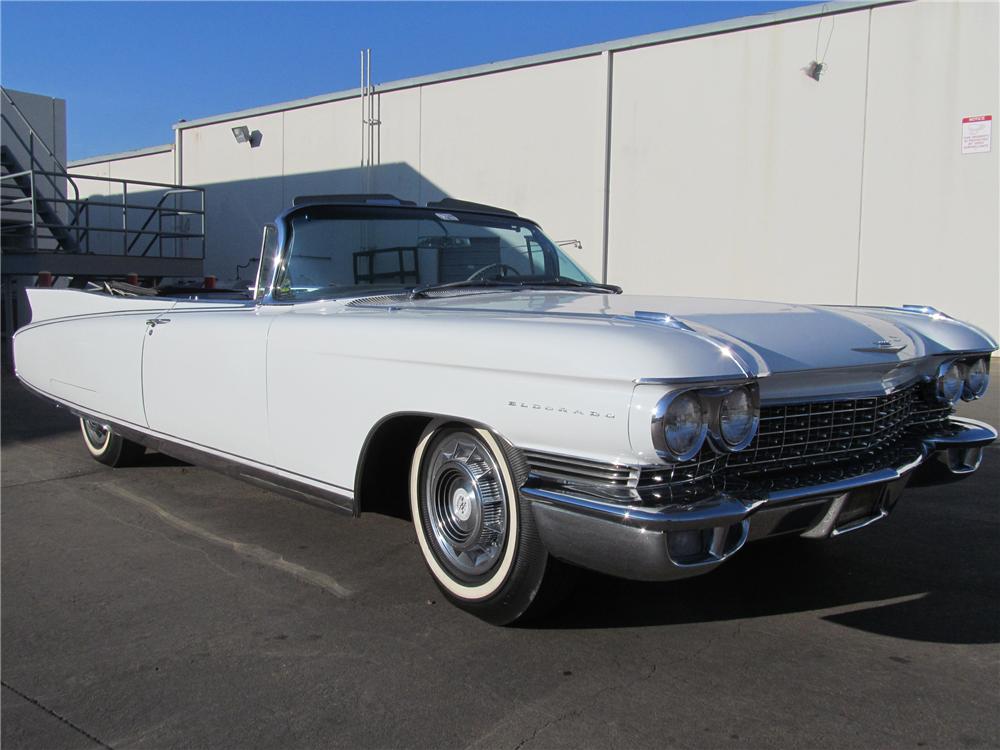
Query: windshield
x=337, y=251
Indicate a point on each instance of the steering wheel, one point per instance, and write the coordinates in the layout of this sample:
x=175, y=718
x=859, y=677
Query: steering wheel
x=503, y=269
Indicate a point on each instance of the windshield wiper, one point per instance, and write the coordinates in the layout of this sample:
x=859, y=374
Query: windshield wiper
x=421, y=291
x=574, y=284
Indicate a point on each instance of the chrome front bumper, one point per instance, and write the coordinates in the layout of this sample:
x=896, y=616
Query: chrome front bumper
x=648, y=541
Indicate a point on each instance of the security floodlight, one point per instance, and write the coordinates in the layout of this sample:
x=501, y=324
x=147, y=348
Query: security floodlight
x=241, y=134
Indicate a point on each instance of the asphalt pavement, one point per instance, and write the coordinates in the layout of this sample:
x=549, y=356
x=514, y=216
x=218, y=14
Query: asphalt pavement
x=168, y=606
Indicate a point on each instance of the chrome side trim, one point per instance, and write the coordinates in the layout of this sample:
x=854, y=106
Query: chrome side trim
x=662, y=318
x=572, y=470
x=720, y=381
x=271, y=478
x=932, y=312
x=237, y=470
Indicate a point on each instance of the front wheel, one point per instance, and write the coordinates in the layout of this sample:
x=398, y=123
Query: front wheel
x=477, y=535
x=108, y=447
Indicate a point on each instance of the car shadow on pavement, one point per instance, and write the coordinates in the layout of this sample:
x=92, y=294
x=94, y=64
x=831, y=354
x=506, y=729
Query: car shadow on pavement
x=906, y=580
x=155, y=460
x=28, y=417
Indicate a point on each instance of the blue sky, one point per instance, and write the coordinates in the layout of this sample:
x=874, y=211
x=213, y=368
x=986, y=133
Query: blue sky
x=129, y=69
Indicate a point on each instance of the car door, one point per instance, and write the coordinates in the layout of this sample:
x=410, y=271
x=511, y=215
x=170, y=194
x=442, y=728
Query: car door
x=203, y=377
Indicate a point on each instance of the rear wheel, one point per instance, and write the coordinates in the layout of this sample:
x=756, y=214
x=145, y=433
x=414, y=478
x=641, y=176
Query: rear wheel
x=476, y=534
x=109, y=447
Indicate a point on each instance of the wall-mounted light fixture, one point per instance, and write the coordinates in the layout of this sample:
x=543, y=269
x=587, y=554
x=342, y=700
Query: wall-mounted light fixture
x=242, y=134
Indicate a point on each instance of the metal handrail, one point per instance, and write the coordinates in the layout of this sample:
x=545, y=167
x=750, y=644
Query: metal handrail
x=29, y=147
x=31, y=156
x=100, y=228
x=102, y=204
x=157, y=211
x=85, y=229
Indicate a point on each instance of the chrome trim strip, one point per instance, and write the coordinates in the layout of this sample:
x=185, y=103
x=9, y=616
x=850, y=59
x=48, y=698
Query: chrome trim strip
x=661, y=318
x=582, y=473
x=306, y=489
x=720, y=381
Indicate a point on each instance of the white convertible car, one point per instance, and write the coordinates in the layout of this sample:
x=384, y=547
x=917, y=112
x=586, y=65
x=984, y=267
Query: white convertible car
x=450, y=358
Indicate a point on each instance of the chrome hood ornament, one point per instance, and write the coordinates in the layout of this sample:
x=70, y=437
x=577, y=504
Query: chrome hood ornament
x=883, y=346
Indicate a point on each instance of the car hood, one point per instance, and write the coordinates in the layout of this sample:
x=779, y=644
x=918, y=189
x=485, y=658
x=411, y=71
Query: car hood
x=767, y=337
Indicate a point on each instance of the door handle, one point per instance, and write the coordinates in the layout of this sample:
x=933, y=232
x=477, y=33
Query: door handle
x=153, y=322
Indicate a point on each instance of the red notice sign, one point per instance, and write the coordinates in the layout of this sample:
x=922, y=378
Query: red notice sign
x=977, y=134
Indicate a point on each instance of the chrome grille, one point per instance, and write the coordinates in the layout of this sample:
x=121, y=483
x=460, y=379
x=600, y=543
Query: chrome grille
x=821, y=433
x=798, y=435
x=571, y=470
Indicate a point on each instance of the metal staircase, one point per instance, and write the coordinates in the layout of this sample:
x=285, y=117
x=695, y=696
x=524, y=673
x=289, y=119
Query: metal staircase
x=24, y=212
x=150, y=229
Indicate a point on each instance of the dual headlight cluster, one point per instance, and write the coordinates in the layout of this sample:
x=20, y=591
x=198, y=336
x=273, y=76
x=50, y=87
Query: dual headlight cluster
x=965, y=380
x=727, y=416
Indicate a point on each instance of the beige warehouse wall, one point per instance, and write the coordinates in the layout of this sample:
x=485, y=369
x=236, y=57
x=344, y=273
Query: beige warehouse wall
x=153, y=167
x=157, y=167
x=531, y=140
x=930, y=219
x=732, y=172
x=243, y=187
x=305, y=151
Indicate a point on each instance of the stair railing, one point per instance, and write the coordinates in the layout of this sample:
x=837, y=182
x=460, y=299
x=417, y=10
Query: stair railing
x=130, y=237
x=59, y=169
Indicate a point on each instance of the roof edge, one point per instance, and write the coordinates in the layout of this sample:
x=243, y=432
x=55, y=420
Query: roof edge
x=121, y=155
x=799, y=13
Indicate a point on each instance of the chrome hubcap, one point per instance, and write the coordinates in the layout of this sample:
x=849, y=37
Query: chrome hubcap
x=97, y=433
x=464, y=505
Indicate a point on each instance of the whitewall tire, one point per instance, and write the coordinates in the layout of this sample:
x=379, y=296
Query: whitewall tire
x=108, y=447
x=476, y=534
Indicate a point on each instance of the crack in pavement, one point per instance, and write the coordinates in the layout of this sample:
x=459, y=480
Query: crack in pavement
x=53, y=479
x=253, y=552
x=577, y=711
x=60, y=717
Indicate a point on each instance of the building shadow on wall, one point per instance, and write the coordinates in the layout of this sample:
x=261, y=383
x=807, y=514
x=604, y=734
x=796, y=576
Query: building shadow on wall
x=243, y=207
x=237, y=210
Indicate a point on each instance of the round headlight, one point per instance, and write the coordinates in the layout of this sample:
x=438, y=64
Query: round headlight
x=684, y=426
x=737, y=418
x=977, y=379
x=950, y=382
